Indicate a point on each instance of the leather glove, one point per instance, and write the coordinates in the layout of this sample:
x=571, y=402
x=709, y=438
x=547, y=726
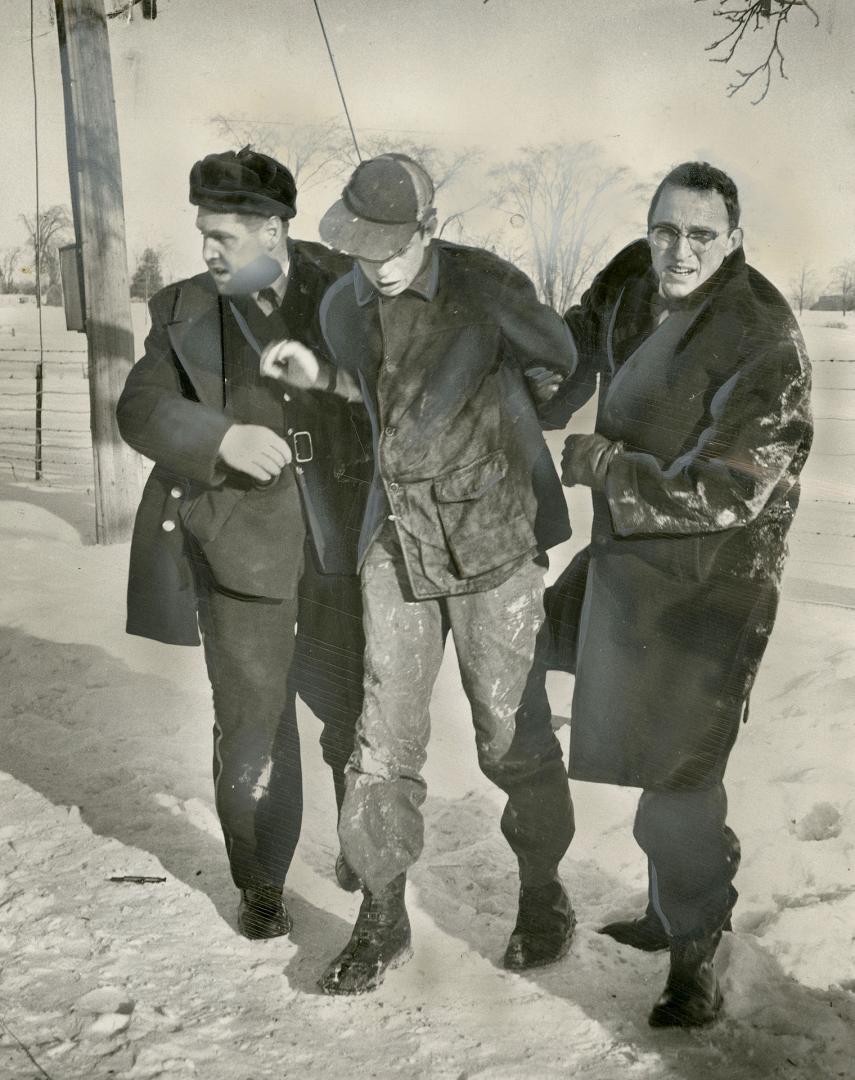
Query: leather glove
x=586, y=459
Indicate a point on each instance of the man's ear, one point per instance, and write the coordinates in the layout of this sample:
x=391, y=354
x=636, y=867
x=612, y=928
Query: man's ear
x=428, y=226
x=734, y=240
x=272, y=232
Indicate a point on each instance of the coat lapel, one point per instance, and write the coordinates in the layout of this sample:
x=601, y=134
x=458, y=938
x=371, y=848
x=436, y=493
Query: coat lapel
x=195, y=332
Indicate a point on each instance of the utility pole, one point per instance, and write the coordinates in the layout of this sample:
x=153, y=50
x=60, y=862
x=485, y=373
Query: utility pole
x=99, y=223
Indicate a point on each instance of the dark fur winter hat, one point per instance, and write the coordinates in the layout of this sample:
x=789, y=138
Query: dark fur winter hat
x=245, y=182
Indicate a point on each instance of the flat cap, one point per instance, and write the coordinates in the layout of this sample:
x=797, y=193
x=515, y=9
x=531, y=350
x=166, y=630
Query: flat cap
x=245, y=182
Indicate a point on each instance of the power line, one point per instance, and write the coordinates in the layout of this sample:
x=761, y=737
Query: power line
x=37, y=237
x=337, y=79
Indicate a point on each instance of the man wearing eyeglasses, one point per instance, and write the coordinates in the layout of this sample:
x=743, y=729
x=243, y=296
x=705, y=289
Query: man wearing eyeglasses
x=703, y=425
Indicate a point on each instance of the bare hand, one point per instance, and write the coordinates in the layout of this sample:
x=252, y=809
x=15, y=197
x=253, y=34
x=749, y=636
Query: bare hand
x=255, y=450
x=291, y=363
x=543, y=383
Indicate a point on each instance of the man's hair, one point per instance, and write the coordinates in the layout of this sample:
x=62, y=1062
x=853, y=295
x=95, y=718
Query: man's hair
x=255, y=221
x=701, y=176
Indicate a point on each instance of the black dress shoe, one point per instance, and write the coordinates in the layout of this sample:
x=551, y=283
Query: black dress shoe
x=345, y=875
x=646, y=933
x=380, y=940
x=692, y=997
x=262, y=913
x=544, y=927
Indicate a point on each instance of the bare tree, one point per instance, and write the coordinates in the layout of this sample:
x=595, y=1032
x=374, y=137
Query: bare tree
x=8, y=266
x=742, y=16
x=803, y=288
x=844, y=282
x=313, y=152
x=559, y=194
x=45, y=237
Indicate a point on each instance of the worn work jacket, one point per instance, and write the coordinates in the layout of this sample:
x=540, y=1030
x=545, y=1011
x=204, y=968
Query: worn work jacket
x=198, y=376
x=460, y=461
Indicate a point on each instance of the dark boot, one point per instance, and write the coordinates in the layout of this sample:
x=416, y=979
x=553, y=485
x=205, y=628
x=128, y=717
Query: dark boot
x=345, y=875
x=691, y=997
x=380, y=940
x=646, y=933
x=262, y=913
x=544, y=927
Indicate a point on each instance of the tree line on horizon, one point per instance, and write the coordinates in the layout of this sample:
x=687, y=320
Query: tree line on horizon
x=552, y=209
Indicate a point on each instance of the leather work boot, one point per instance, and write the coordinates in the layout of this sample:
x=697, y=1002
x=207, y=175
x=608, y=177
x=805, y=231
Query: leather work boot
x=380, y=940
x=345, y=875
x=691, y=997
x=544, y=927
x=262, y=913
x=646, y=933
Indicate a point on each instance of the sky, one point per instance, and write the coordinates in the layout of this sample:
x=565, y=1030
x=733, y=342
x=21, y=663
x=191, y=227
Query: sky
x=498, y=74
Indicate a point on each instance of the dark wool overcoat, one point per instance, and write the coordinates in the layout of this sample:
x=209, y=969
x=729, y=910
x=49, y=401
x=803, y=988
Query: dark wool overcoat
x=681, y=579
x=199, y=375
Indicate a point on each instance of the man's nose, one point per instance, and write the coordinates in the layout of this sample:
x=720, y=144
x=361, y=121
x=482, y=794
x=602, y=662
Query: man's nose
x=681, y=245
x=209, y=250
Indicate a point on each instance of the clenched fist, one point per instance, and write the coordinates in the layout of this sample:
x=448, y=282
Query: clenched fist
x=291, y=363
x=254, y=450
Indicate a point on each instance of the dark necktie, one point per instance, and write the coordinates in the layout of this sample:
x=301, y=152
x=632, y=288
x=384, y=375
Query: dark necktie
x=268, y=297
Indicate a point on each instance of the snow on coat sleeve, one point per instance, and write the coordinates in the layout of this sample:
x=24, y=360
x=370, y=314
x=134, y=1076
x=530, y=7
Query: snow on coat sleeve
x=159, y=421
x=752, y=449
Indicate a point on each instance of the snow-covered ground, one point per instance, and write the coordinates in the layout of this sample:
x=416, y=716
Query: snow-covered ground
x=105, y=757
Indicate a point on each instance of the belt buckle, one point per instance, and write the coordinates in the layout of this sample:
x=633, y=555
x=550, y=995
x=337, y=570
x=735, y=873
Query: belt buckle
x=307, y=453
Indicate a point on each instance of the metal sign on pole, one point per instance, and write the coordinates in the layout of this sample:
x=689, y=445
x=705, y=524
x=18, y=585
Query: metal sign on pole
x=99, y=224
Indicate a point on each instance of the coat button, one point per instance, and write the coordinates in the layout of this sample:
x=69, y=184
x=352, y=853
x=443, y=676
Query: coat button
x=393, y=486
x=391, y=431
x=168, y=525
x=176, y=492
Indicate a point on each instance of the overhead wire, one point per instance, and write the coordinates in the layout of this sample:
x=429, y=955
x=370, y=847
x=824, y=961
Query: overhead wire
x=37, y=244
x=338, y=80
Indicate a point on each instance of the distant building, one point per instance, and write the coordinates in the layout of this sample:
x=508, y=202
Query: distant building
x=832, y=302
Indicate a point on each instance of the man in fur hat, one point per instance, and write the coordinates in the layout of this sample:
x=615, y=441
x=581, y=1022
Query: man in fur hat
x=243, y=527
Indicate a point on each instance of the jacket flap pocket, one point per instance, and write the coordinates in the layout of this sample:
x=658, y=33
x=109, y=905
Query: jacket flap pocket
x=473, y=480
x=205, y=515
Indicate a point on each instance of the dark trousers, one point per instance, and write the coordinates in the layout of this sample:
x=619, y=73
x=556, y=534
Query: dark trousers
x=692, y=858
x=256, y=669
x=381, y=826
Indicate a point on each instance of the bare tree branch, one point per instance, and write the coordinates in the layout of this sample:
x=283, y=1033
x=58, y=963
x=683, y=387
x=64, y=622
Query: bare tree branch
x=764, y=16
x=313, y=152
x=802, y=288
x=560, y=194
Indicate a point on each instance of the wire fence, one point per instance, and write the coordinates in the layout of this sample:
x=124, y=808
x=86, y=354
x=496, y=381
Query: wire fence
x=61, y=452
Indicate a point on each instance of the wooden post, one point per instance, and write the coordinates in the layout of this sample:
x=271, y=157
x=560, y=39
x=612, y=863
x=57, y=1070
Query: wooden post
x=99, y=223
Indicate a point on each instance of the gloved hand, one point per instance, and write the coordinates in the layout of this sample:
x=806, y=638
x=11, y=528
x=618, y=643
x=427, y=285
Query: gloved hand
x=586, y=459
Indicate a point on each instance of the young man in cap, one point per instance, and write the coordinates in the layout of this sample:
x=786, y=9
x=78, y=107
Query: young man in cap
x=444, y=345
x=220, y=542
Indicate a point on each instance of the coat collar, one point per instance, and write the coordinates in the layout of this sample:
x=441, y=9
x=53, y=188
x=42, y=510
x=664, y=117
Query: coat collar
x=195, y=332
x=425, y=284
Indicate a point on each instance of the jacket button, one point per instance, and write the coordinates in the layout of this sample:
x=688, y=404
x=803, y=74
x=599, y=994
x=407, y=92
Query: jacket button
x=176, y=492
x=393, y=486
x=168, y=525
x=391, y=431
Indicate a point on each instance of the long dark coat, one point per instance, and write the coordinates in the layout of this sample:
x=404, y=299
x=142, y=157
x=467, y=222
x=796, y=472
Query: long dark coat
x=688, y=540
x=175, y=409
